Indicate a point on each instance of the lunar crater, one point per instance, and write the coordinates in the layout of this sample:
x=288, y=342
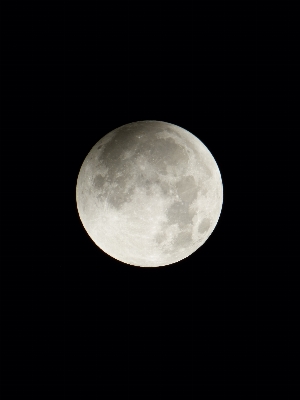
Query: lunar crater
x=204, y=225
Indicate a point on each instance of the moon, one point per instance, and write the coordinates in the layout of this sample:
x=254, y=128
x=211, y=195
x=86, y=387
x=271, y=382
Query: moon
x=149, y=193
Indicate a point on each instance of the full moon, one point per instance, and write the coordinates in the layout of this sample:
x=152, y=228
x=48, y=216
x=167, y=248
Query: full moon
x=149, y=193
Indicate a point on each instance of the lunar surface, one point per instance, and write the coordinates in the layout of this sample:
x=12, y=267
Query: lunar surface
x=149, y=193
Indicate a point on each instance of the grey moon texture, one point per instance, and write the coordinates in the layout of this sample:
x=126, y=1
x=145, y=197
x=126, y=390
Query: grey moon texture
x=149, y=193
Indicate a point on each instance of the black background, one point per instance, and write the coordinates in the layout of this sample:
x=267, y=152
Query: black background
x=80, y=322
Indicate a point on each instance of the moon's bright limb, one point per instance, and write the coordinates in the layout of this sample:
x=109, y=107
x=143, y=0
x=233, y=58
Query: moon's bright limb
x=149, y=193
